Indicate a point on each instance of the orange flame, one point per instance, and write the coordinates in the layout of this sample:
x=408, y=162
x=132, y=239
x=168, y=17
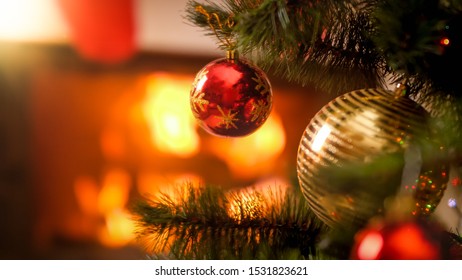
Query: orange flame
x=250, y=157
x=169, y=116
x=114, y=192
x=109, y=203
x=86, y=192
x=119, y=229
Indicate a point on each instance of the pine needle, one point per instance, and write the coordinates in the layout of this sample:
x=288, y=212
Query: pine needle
x=207, y=223
x=339, y=46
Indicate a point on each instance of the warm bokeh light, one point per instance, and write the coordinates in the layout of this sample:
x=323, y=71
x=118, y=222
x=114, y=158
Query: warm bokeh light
x=86, y=192
x=119, y=230
x=113, y=143
x=107, y=202
x=272, y=188
x=32, y=20
x=445, y=41
x=246, y=205
x=168, y=113
x=253, y=155
x=409, y=242
x=115, y=191
x=370, y=246
x=257, y=199
x=150, y=183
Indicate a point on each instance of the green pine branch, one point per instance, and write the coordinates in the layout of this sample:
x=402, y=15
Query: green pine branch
x=209, y=223
x=339, y=46
x=322, y=43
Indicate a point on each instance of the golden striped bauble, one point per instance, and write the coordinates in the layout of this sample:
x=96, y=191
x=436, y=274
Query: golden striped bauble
x=364, y=148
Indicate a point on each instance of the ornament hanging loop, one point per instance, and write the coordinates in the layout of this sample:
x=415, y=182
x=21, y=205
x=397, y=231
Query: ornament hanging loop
x=232, y=55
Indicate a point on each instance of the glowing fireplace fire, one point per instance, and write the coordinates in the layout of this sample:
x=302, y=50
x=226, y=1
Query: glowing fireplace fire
x=106, y=204
x=167, y=113
x=150, y=143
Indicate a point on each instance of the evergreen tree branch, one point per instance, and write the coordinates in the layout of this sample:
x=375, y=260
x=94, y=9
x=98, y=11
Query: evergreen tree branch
x=322, y=43
x=208, y=223
x=339, y=46
x=217, y=20
x=420, y=38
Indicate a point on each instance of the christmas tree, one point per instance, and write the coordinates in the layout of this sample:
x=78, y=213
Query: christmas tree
x=372, y=165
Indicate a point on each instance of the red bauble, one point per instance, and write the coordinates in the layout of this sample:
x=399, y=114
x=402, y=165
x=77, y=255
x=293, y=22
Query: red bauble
x=406, y=240
x=231, y=97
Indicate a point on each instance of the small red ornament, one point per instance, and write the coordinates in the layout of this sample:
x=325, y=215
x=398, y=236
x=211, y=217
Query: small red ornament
x=231, y=97
x=405, y=240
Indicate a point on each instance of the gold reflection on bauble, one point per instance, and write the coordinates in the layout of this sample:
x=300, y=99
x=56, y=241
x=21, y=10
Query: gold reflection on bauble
x=364, y=147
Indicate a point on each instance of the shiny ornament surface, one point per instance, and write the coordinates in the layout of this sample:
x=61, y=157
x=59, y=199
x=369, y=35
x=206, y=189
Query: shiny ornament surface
x=364, y=147
x=231, y=97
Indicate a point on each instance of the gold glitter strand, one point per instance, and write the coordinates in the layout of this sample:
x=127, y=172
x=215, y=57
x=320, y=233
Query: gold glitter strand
x=226, y=40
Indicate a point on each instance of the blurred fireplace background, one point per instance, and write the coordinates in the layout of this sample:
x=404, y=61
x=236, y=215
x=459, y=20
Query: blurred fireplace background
x=83, y=140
